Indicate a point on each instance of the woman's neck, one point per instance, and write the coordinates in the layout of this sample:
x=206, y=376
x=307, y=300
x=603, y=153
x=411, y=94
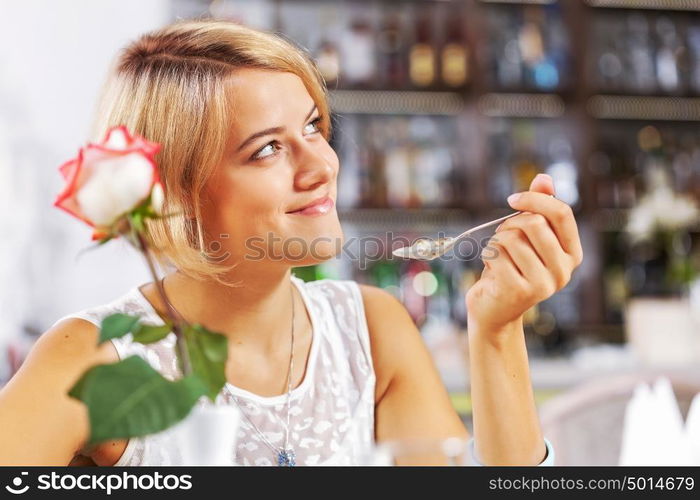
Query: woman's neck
x=255, y=314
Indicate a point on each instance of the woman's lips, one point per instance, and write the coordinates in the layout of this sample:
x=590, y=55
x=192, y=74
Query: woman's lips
x=320, y=207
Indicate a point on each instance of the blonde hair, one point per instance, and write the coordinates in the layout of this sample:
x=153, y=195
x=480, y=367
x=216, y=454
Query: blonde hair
x=170, y=86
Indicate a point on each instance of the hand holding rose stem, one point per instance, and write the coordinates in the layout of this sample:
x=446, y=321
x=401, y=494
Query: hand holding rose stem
x=114, y=187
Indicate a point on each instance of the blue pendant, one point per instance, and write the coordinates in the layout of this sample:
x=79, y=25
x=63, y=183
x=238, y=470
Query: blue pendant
x=286, y=458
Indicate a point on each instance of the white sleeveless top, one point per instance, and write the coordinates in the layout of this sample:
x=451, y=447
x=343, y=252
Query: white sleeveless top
x=332, y=410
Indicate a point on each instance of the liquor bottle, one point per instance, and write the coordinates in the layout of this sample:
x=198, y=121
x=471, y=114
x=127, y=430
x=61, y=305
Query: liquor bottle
x=328, y=62
x=327, y=53
x=667, y=54
x=377, y=135
x=391, y=49
x=432, y=163
x=438, y=327
x=558, y=49
x=366, y=160
x=694, y=70
x=562, y=167
x=397, y=168
x=422, y=62
x=455, y=56
x=642, y=77
x=525, y=162
x=500, y=182
x=415, y=303
x=608, y=70
x=530, y=39
x=397, y=176
x=508, y=58
x=385, y=274
x=352, y=156
x=357, y=48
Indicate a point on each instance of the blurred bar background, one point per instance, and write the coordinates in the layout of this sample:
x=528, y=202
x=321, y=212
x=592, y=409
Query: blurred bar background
x=441, y=110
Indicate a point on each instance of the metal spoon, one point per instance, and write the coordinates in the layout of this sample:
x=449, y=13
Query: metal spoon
x=429, y=249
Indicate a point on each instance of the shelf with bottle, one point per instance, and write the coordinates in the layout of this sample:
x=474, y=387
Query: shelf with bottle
x=652, y=53
x=625, y=153
x=629, y=156
x=359, y=45
x=525, y=47
x=516, y=150
x=400, y=162
x=420, y=46
x=394, y=167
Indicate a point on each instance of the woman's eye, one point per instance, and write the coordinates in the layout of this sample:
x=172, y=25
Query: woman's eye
x=260, y=156
x=267, y=150
x=314, y=126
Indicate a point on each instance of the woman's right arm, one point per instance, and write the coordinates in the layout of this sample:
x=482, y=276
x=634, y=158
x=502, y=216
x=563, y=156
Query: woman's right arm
x=39, y=423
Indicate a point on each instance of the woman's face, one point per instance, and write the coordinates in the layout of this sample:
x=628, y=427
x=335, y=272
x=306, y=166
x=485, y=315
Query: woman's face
x=272, y=197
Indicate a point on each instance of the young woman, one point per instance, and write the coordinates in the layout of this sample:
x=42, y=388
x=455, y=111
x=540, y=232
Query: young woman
x=243, y=121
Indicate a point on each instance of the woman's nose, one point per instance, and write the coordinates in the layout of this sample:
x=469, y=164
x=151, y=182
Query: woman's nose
x=313, y=168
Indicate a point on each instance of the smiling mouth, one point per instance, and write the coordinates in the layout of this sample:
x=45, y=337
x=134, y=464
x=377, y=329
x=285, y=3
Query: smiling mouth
x=321, y=206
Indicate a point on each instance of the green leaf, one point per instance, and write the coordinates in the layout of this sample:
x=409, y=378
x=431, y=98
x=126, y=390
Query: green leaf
x=215, y=345
x=137, y=221
x=117, y=325
x=147, y=334
x=208, y=352
x=104, y=240
x=154, y=215
x=130, y=398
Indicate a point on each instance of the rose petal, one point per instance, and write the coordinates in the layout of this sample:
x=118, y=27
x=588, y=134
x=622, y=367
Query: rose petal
x=116, y=185
x=66, y=199
x=157, y=198
x=117, y=138
x=68, y=167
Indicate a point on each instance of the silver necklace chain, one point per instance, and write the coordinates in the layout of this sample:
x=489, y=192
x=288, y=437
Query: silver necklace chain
x=285, y=456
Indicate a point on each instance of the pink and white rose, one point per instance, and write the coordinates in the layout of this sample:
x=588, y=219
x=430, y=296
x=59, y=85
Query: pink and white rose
x=108, y=180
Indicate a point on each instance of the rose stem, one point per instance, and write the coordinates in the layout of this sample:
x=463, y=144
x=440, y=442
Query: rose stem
x=179, y=342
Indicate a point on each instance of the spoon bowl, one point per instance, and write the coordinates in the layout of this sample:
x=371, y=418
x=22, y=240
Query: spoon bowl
x=430, y=249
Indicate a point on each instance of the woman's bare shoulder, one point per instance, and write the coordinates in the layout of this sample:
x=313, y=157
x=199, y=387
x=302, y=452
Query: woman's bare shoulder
x=48, y=426
x=394, y=336
x=75, y=341
x=80, y=337
x=405, y=373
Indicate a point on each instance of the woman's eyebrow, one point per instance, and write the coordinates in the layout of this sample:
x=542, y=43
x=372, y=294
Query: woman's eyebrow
x=269, y=131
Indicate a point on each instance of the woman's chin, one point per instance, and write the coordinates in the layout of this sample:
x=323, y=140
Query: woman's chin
x=307, y=252
x=308, y=262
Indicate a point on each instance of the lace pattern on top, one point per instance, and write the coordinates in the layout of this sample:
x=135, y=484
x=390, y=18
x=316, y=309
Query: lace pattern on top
x=332, y=410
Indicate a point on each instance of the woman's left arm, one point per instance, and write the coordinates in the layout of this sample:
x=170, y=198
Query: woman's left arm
x=535, y=255
x=411, y=402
